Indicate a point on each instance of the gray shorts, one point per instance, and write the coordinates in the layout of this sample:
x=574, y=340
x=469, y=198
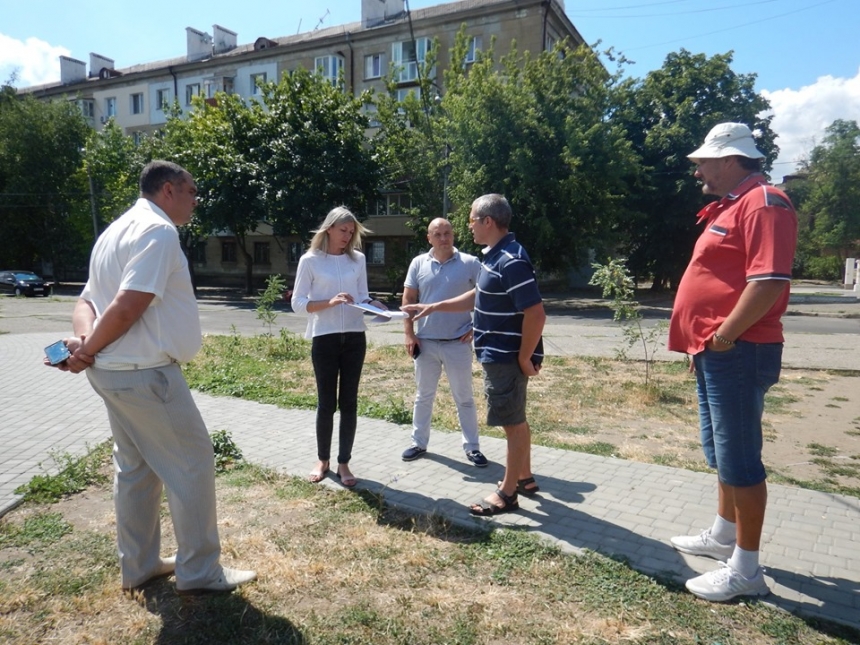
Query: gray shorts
x=505, y=392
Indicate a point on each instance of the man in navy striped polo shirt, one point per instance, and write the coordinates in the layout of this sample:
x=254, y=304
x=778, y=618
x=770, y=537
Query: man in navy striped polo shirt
x=509, y=321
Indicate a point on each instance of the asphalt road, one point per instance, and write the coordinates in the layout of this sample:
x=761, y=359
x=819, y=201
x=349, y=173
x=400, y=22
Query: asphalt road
x=825, y=335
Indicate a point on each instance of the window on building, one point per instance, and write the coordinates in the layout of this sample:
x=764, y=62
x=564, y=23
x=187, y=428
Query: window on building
x=255, y=79
x=406, y=56
x=403, y=92
x=294, y=252
x=88, y=108
x=375, y=252
x=377, y=208
x=414, y=248
x=228, y=252
x=137, y=137
x=110, y=107
x=162, y=99
x=261, y=253
x=137, y=103
x=198, y=253
x=330, y=68
x=191, y=90
x=474, y=48
x=399, y=203
x=373, y=66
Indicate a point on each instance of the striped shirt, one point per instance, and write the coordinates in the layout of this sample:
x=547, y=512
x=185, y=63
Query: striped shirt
x=507, y=286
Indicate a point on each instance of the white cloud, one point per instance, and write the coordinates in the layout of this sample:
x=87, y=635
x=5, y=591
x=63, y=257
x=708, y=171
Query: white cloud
x=33, y=61
x=800, y=116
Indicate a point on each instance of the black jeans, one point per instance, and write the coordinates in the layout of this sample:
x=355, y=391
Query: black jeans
x=337, y=356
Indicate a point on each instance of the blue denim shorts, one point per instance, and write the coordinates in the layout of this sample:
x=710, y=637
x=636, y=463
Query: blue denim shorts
x=731, y=386
x=505, y=390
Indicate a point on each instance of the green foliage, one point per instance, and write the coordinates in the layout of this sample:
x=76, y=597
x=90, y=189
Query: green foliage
x=827, y=197
x=36, y=532
x=618, y=284
x=535, y=129
x=265, y=303
x=75, y=474
x=43, y=195
x=113, y=163
x=227, y=453
x=666, y=116
x=286, y=159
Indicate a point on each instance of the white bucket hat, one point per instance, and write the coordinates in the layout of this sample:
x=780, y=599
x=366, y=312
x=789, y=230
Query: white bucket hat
x=726, y=140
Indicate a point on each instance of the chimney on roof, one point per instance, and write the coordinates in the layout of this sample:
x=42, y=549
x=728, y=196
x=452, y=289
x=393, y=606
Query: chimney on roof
x=199, y=44
x=225, y=40
x=98, y=63
x=376, y=12
x=72, y=70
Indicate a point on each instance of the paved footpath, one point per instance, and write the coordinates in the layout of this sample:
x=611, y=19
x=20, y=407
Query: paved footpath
x=616, y=507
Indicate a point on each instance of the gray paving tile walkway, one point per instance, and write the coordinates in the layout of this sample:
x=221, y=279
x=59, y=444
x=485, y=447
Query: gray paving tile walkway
x=617, y=507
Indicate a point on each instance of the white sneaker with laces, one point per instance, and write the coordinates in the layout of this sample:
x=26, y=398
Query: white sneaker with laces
x=703, y=544
x=725, y=583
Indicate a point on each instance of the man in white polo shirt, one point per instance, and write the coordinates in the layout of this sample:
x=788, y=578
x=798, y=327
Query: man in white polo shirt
x=135, y=321
x=443, y=340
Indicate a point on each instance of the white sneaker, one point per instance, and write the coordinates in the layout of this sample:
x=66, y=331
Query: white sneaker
x=226, y=582
x=725, y=583
x=703, y=544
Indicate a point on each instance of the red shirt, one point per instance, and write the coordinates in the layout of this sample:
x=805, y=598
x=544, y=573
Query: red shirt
x=750, y=234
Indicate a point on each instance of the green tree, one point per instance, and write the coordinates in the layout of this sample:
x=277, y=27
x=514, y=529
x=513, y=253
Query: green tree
x=667, y=115
x=43, y=206
x=536, y=130
x=220, y=145
x=828, y=197
x=113, y=164
x=316, y=155
x=286, y=160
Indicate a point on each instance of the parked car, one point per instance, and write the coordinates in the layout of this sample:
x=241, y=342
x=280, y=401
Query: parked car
x=23, y=283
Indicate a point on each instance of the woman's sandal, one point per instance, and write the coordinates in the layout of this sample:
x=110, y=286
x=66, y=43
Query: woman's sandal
x=521, y=487
x=348, y=481
x=317, y=476
x=486, y=508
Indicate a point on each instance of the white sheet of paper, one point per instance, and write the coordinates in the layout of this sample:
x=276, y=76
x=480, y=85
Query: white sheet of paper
x=385, y=314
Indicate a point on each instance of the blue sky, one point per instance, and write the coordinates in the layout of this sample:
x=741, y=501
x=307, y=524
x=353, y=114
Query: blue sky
x=805, y=53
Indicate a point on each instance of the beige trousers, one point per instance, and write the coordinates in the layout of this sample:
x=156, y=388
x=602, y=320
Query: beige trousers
x=160, y=441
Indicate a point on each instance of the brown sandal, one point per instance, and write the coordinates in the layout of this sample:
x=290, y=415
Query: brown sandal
x=485, y=508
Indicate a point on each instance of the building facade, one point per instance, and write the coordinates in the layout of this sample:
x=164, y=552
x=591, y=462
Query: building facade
x=138, y=98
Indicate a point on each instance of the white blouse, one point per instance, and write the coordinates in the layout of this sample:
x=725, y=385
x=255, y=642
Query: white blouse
x=322, y=276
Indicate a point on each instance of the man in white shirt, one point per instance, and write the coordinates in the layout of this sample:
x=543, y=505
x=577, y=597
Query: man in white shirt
x=442, y=340
x=135, y=321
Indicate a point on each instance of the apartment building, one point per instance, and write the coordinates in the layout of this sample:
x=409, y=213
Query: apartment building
x=137, y=98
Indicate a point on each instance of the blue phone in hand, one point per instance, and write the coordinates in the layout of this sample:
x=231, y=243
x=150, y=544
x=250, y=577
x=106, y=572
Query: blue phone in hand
x=57, y=352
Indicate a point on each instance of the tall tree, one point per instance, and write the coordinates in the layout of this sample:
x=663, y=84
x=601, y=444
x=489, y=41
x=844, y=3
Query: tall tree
x=112, y=163
x=41, y=187
x=829, y=195
x=316, y=154
x=667, y=115
x=535, y=130
x=287, y=159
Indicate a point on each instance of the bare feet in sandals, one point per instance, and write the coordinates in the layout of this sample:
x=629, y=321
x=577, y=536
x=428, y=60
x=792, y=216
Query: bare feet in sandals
x=527, y=486
x=345, y=476
x=318, y=473
x=495, y=504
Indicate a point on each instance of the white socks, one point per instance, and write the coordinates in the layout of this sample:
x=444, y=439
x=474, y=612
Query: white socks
x=723, y=531
x=744, y=562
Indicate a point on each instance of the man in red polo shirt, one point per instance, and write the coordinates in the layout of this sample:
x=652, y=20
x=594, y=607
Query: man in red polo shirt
x=727, y=317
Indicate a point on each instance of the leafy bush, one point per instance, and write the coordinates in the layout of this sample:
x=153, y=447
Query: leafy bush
x=227, y=453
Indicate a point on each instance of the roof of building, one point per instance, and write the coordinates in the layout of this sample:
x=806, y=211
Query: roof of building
x=439, y=10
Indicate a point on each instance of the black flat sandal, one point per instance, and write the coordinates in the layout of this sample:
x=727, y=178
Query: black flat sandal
x=486, y=509
x=521, y=487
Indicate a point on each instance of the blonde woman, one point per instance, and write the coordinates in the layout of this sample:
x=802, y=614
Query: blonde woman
x=331, y=275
